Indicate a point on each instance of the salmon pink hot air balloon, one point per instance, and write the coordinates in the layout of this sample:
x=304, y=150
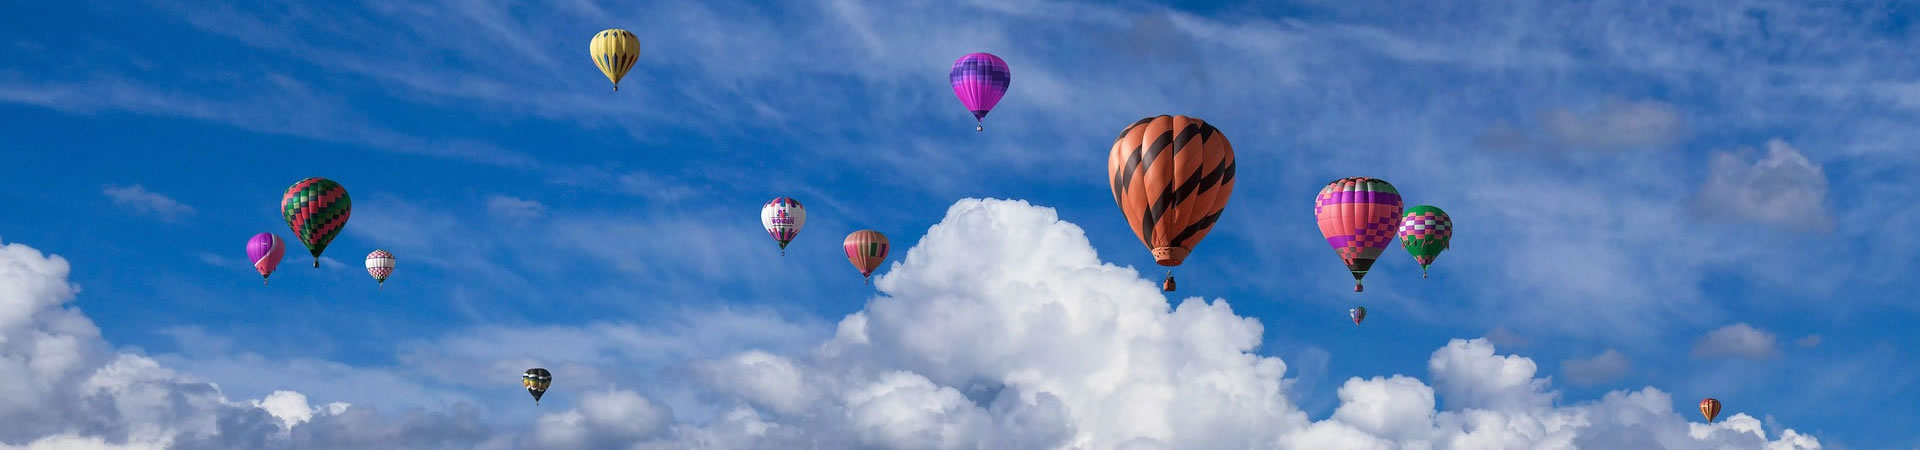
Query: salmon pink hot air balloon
x=265, y=250
x=783, y=217
x=1710, y=408
x=1171, y=176
x=1358, y=216
x=316, y=209
x=866, y=249
x=980, y=80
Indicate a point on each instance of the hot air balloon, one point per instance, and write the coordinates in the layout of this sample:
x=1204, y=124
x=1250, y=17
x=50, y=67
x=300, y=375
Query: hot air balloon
x=1358, y=313
x=783, y=218
x=980, y=80
x=1358, y=216
x=1425, y=231
x=265, y=250
x=380, y=265
x=615, y=50
x=1710, y=408
x=866, y=249
x=537, y=380
x=1171, y=176
x=316, y=209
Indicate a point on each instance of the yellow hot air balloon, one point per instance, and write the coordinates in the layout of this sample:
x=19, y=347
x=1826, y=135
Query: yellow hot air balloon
x=614, y=51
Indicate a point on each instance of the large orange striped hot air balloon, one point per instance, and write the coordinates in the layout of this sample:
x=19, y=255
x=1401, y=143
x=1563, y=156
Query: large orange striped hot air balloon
x=1710, y=408
x=1171, y=176
x=866, y=249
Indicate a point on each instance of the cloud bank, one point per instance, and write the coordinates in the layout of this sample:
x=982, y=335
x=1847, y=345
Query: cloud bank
x=1001, y=328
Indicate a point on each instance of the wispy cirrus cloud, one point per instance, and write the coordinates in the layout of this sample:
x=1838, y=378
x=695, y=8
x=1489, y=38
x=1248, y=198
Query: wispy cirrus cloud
x=138, y=200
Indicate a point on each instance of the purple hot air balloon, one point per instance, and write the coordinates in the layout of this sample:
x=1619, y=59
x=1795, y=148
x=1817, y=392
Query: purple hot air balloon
x=980, y=79
x=265, y=250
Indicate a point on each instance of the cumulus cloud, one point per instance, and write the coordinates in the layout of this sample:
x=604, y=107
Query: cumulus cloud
x=1001, y=328
x=1737, y=340
x=1781, y=188
x=514, y=208
x=137, y=199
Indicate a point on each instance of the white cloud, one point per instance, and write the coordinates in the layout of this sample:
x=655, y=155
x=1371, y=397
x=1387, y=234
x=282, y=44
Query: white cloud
x=1000, y=329
x=1781, y=188
x=1737, y=340
x=514, y=208
x=1810, y=341
x=1601, y=368
x=1616, y=125
x=139, y=200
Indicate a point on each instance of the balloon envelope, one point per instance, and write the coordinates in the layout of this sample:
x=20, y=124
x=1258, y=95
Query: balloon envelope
x=317, y=210
x=980, y=80
x=264, y=251
x=783, y=217
x=614, y=52
x=1171, y=177
x=380, y=265
x=1425, y=231
x=866, y=249
x=537, y=380
x=1358, y=216
x=1710, y=408
x=1358, y=313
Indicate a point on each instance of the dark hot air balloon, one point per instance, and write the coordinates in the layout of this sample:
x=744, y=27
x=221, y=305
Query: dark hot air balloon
x=537, y=380
x=1358, y=313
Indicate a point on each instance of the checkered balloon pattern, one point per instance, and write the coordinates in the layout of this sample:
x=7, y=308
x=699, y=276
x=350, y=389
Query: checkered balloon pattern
x=1425, y=231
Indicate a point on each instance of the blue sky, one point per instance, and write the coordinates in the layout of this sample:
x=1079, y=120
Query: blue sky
x=1704, y=199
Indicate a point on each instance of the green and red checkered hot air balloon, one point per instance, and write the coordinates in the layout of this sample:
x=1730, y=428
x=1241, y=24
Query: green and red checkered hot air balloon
x=316, y=209
x=1425, y=231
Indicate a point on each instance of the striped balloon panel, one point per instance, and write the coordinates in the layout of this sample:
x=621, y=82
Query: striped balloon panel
x=614, y=52
x=380, y=264
x=980, y=80
x=783, y=217
x=1172, y=177
x=866, y=249
x=317, y=210
x=1358, y=216
x=537, y=379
